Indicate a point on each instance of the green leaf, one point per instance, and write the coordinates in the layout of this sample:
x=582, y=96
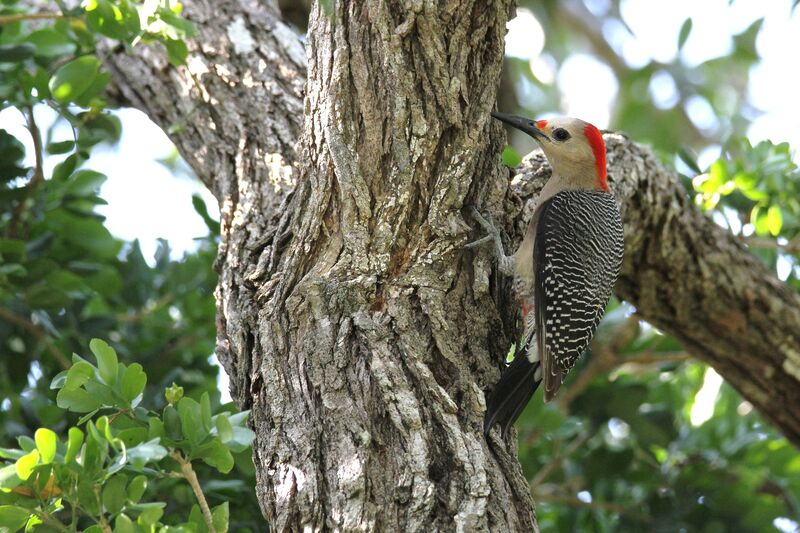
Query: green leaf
x=172, y=423
x=26, y=443
x=683, y=34
x=216, y=454
x=74, y=78
x=59, y=380
x=202, y=210
x=13, y=518
x=241, y=440
x=774, y=220
x=205, y=411
x=150, y=451
x=133, y=382
x=511, y=157
x=105, y=18
x=26, y=464
x=11, y=453
x=150, y=513
x=78, y=375
x=101, y=127
x=64, y=169
x=8, y=477
x=51, y=43
x=689, y=159
x=114, y=493
x=13, y=53
x=61, y=147
x=88, y=97
x=224, y=428
x=74, y=443
x=106, y=361
x=133, y=436
x=191, y=420
x=137, y=487
x=758, y=217
x=46, y=442
x=177, y=52
x=220, y=517
x=123, y=524
x=181, y=26
x=77, y=400
x=85, y=183
x=155, y=426
x=12, y=153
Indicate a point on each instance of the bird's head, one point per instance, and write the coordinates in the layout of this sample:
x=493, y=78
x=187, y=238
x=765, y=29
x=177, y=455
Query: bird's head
x=573, y=147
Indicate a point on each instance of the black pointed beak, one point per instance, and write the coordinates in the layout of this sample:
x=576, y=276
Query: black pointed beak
x=523, y=124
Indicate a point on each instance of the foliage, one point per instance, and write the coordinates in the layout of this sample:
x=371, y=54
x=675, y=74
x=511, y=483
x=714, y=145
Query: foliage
x=99, y=475
x=64, y=279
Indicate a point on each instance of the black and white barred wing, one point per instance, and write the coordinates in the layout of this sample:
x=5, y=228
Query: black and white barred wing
x=577, y=256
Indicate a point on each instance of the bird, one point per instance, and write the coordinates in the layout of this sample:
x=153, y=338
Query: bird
x=564, y=270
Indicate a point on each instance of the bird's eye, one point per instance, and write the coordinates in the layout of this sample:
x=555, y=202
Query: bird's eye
x=560, y=134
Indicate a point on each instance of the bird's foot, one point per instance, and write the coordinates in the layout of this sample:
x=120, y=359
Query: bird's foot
x=493, y=234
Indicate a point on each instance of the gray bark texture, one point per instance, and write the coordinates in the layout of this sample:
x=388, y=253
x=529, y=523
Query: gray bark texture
x=351, y=320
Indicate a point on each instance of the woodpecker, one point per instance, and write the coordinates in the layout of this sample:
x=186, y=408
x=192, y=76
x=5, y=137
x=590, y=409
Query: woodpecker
x=565, y=268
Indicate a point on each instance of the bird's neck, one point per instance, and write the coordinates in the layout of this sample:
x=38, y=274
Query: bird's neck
x=573, y=181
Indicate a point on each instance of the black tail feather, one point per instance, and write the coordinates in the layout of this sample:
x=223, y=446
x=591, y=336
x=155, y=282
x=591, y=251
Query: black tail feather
x=511, y=394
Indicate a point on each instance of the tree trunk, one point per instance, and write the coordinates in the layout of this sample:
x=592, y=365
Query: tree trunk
x=372, y=349
x=351, y=320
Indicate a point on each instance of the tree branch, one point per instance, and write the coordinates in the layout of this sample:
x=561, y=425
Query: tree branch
x=188, y=474
x=603, y=506
x=39, y=333
x=36, y=178
x=8, y=19
x=555, y=462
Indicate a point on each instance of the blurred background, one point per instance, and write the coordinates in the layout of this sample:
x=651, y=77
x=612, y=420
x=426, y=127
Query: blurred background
x=642, y=438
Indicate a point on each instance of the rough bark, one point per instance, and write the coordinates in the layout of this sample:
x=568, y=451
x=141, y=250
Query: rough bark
x=351, y=320
x=382, y=430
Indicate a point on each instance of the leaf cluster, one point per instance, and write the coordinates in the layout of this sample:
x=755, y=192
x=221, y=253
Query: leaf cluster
x=99, y=475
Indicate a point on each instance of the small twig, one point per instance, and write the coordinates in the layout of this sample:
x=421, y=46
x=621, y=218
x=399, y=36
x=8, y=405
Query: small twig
x=37, y=332
x=8, y=19
x=652, y=358
x=792, y=247
x=36, y=178
x=603, y=506
x=36, y=137
x=603, y=360
x=142, y=314
x=103, y=522
x=191, y=477
x=555, y=462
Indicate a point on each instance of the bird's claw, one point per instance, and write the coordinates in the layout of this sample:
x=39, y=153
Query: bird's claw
x=493, y=234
